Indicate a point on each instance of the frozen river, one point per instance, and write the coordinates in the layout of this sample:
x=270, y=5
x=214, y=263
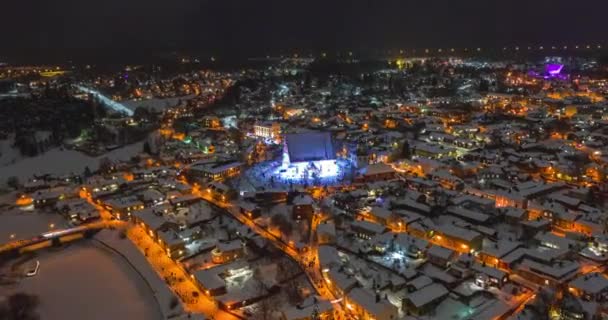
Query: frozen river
x=84, y=281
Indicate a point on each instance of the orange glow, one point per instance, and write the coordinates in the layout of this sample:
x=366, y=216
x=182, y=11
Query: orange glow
x=179, y=136
x=128, y=176
x=24, y=201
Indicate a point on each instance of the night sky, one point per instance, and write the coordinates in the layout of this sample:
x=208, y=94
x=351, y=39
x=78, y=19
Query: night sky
x=69, y=28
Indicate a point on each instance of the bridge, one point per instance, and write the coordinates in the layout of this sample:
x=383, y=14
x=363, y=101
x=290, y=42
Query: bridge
x=47, y=239
x=114, y=105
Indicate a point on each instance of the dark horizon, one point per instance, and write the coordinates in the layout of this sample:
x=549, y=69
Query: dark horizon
x=136, y=29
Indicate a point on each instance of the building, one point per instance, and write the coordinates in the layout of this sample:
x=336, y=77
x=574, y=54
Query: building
x=302, y=207
x=424, y=300
x=49, y=197
x=590, y=287
x=323, y=310
x=326, y=233
x=440, y=256
x=267, y=130
x=226, y=252
x=309, y=146
x=122, y=208
x=211, y=122
x=173, y=245
x=209, y=281
x=366, y=229
x=457, y=238
x=367, y=307
x=215, y=171
x=377, y=172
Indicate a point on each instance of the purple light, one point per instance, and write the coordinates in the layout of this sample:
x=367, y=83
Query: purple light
x=554, y=69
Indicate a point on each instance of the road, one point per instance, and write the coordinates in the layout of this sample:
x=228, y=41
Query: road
x=168, y=269
x=313, y=273
x=116, y=106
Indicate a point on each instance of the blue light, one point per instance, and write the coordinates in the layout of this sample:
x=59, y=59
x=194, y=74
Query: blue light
x=107, y=101
x=308, y=170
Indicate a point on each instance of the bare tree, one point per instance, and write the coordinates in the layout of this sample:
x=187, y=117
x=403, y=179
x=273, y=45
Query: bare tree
x=20, y=306
x=266, y=306
x=279, y=221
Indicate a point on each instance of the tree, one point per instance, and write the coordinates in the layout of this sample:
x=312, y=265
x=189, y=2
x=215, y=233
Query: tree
x=20, y=306
x=147, y=148
x=284, y=226
x=406, y=152
x=266, y=306
x=484, y=86
x=173, y=303
x=105, y=165
x=87, y=172
x=13, y=182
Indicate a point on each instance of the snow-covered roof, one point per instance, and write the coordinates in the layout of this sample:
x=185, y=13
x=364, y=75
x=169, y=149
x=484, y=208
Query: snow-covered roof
x=427, y=295
x=367, y=301
x=591, y=283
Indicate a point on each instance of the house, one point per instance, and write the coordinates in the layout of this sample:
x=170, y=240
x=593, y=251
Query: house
x=209, y=281
x=555, y=273
x=432, y=151
x=510, y=199
x=440, y=256
x=366, y=229
x=185, y=200
x=226, y=252
x=249, y=209
x=492, y=252
x=151, y=197
x=302, y=207
x=328, y=257
x=150, y=221
x=49, y=197
x=173, y=245
x=488, y=276
x=339, y=283
x=469, y=215
x=267, y=129
x=384, y=217
x=590, y=287
x=122, y=208
x=418, y=283
x=78, y=210
x=458, y=238
x=424, y=300
x=215, y=171
x=326, y=233
x=367, y=307
x=220, y=191
x=323, y=309
x=377, y=172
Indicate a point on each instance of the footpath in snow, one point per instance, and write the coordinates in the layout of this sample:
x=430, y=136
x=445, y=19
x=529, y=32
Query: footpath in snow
x=127, y=249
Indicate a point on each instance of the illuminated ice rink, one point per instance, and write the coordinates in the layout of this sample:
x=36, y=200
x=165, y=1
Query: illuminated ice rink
x=308, y=170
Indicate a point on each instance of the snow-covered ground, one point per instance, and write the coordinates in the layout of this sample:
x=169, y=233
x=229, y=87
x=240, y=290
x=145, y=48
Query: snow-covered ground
x=154, y=104
x=86, y=282
x=55, y=161
x=26, y=225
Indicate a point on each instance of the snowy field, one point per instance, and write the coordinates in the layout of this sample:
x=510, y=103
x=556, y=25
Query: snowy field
x=55, y=161
x=26, y=225
x=86, y=282
x=155, y=104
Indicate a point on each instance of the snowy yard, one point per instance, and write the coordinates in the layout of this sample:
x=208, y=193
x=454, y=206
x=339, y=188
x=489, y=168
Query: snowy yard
x=56, y=161
x=87, y=282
